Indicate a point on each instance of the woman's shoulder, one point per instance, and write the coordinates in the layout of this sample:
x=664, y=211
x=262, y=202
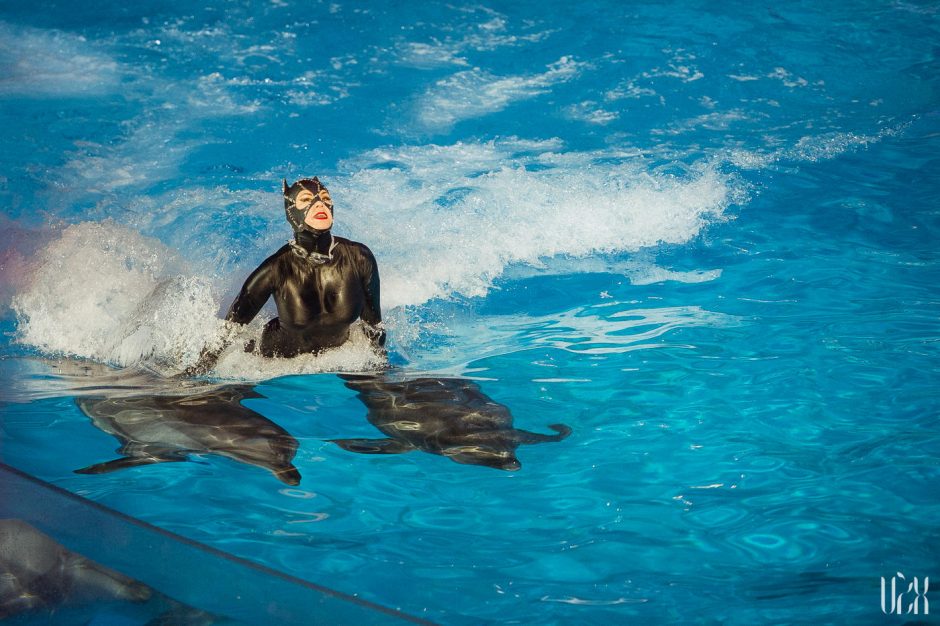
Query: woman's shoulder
x=282, y=253
x=272, y=263
x=353, y=247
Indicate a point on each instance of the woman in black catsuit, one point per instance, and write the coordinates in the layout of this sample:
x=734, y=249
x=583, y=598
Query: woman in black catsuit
x=321, y=284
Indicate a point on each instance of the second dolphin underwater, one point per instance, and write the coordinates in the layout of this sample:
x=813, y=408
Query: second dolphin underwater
x=451, y=417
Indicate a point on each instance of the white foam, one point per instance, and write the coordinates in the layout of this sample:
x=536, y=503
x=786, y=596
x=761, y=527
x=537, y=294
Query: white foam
x=444, y=222
x=830, y=145
x=811, y=148
x=589, y=111
x=650, y=274
x=447, y=221
x=356, y=355
x=103, y=292
x=629, y=90
x=914, y=8
x=225, y=233
x=716, y=120
x=422, y=54
x=743, y=78
x=148, y=152
x=51, y=63
x=308, y=89
x=787, y=78
x=680, y=65
x=638, y=269
x=474, y=93
x=212, y=94
x=486, y=36
x=153, y=144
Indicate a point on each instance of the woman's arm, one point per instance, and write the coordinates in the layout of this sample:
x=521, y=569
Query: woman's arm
x=372, y=309
x=254, y=293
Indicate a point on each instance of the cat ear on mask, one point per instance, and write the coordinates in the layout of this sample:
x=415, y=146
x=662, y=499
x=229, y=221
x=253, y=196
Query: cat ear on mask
x=285, y=187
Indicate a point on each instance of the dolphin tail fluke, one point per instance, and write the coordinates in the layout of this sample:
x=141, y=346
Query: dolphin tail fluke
x=125, y=462
x=373, y=446
x=524, y=436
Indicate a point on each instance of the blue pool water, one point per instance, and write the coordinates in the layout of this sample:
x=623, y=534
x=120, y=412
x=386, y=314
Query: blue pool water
x=703, y=236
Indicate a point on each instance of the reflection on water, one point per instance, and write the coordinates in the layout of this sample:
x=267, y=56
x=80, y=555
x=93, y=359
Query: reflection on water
x=32, y=379
x=447, y=416
x=600, y=329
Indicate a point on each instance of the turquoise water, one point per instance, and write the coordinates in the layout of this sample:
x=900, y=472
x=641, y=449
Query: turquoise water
x=702, y=237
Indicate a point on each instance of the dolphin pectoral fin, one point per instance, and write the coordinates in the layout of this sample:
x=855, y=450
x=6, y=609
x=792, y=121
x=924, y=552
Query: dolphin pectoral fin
x=374, y=446
x=524, y=436
x=125, y=462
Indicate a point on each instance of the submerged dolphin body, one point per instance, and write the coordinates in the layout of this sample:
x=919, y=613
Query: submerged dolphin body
x=36, y=572
x=164, y=428
x=447, y=416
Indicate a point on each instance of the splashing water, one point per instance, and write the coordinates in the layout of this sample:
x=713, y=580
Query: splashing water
x=105, y=292
x=444, y=222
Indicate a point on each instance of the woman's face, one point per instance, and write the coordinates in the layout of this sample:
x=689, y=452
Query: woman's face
x=318, y=208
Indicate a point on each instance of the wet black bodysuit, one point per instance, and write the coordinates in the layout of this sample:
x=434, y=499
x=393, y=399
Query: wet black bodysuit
x=316, y=301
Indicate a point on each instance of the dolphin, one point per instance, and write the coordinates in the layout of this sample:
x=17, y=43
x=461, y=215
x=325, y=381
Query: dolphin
x=451, y=417
x=36, y=573
x=39, y=575
x=156, y=428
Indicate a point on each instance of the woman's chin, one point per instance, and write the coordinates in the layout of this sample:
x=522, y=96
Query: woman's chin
x=319, y=224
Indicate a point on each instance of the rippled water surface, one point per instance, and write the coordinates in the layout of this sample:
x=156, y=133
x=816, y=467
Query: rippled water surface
x=703, y=237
